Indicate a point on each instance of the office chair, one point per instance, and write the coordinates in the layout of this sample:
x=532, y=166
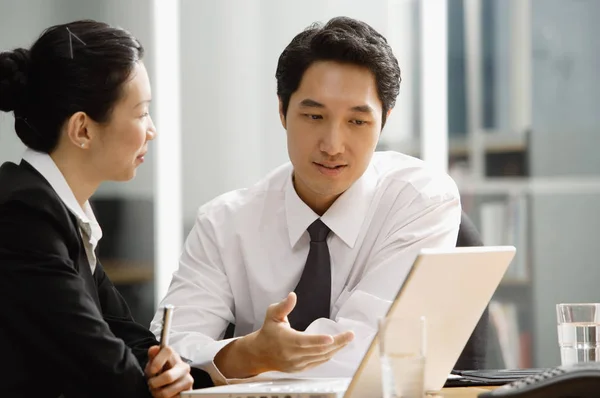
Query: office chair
x=474, y=355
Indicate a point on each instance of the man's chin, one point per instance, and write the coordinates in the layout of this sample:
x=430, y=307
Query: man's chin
x=331, y=192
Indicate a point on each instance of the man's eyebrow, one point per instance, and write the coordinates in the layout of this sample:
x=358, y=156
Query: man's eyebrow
x=309, y=103
x=363, y=109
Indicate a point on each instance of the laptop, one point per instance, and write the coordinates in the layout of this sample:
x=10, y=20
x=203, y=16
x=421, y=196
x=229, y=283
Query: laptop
x=450, y=287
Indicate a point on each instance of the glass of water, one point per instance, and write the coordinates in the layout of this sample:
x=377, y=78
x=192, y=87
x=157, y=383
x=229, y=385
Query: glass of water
x=402, y=349
x=578, y=332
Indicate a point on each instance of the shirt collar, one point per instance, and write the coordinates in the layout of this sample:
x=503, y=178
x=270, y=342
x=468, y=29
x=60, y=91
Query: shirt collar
x=345, y=216
x=44, y=164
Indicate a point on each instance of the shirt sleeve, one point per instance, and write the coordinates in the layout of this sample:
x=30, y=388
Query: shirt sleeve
x=53, y=313
x=430, y=224
x=202, y=296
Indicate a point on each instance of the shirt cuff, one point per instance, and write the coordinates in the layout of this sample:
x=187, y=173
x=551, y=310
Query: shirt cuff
x=207, y=363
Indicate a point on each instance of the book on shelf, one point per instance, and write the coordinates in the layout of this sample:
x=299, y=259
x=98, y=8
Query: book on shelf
x=515, y=343
x=504, y=222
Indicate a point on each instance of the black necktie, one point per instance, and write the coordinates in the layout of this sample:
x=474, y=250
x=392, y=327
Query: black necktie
x=314, y=288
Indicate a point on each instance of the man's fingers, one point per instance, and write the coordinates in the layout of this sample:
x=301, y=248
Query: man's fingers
x=325, y=354
x=303, y=340
x=321, y=350
x=302, y=366
x=170, y=376
x=344, y=338
x=281, y=310
x=310, y=361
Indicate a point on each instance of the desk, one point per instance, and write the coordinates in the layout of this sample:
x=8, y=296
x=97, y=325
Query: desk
x=128, y=272
x=460, y=392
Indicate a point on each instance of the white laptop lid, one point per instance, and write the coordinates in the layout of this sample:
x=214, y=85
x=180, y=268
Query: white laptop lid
x=451, y=288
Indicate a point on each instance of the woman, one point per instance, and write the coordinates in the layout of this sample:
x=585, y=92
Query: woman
x=80, y=98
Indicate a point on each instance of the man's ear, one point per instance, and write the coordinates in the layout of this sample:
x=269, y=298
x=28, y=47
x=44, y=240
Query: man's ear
x=387, y=117
x=281, y=114
x=77, y=130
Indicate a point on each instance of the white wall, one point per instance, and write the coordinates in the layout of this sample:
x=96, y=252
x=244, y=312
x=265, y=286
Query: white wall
x=232, y=135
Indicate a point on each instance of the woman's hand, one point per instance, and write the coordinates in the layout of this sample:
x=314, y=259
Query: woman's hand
x=167, y=374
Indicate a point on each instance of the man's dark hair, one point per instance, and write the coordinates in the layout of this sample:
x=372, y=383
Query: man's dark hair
x=78, y=66
x=345, y=40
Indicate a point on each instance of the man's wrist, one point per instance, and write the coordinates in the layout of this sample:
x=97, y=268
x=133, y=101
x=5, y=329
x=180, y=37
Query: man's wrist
x=237, y=360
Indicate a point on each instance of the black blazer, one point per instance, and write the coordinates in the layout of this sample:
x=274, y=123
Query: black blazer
x=62, y=329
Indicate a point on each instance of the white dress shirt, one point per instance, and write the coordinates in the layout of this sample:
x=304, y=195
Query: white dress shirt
x=248, y=248
x=90, y=230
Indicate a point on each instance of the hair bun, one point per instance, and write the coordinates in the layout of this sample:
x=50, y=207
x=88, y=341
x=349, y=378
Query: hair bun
x=13, y=78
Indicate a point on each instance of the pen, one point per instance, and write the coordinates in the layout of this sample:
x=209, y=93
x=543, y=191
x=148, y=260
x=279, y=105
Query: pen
x=166, y=325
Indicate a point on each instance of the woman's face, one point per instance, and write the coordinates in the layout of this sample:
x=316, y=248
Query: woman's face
x=121, y=144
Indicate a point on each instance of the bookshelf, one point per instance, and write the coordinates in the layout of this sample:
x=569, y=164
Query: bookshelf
x=500, y=206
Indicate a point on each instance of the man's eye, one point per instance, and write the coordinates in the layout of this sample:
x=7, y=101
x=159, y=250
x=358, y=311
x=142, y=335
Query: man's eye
x=313, y=117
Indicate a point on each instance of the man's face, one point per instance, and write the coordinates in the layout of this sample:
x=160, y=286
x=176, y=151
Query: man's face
x=333, y=123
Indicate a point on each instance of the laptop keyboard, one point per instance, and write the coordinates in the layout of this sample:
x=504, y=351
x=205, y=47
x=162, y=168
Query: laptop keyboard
x=301, y=387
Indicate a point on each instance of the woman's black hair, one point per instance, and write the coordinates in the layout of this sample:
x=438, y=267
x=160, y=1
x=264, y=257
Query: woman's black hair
x=75, y=67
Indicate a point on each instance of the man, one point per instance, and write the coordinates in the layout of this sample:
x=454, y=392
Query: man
x=339, y=226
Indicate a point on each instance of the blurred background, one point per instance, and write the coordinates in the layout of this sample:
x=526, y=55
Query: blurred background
x=510, y=108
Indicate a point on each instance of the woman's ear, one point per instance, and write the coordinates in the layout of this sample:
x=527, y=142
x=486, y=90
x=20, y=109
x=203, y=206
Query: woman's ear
x=77, y=130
